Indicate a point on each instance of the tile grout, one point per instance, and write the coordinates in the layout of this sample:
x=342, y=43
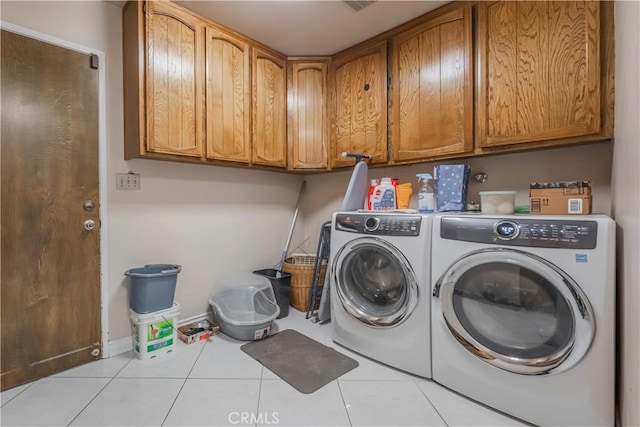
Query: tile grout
x=344, y=403
x=89, y=402
x=175, y=399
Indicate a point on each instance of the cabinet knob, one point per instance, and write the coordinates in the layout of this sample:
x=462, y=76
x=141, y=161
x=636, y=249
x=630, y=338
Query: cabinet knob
x=366, y=86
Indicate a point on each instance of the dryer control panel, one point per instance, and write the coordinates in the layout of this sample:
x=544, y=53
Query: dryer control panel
x=542, y=233
x=379, y=225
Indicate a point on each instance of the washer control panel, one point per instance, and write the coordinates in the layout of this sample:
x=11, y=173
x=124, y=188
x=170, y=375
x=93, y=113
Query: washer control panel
x=506, y=230
x=379, y=225
x=571, y=234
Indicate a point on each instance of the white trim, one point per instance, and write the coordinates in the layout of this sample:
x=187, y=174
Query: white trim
x=102, y=182
x=48, y=39
x=120, y=346
x=102, y=163
x=198, y=317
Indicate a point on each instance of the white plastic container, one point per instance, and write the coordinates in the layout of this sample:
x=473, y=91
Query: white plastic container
x=245, y=307
x=497, y=202
x=384, y=196
x=155, y=334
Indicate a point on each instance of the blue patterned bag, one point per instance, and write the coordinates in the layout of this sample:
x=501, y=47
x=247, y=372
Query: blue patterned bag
x=451, y=187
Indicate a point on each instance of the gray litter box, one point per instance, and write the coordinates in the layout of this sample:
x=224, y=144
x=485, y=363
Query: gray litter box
x=245, y=307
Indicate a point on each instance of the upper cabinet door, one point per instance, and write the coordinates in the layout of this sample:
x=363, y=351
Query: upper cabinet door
x=174, y=80
x=269, y=134
x=228, y=94
x=539, y=71
x=432, y=87
x=308, y=119
x=359, y=104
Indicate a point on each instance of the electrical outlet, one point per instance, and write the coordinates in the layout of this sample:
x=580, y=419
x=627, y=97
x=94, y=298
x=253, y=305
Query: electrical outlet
x=127, y=181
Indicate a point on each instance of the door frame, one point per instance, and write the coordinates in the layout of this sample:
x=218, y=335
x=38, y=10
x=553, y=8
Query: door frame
x=102, y=164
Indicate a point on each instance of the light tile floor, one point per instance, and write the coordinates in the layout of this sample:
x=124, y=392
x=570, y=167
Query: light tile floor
x=214, y=383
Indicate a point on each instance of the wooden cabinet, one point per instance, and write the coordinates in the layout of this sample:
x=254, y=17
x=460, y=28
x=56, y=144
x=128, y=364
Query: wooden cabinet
x=163, y=82
x=359, y=104
x=269, y=108
x=195, y=91
x=432, y=88
x=308, y=129
x=175, y=81
x=228, y=95
x=539, y=71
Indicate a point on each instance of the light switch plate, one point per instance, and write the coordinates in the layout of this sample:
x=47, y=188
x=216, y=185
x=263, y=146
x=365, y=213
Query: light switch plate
x=127, y=181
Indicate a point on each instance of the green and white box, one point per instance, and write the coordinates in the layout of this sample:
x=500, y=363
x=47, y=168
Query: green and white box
x=155, y=333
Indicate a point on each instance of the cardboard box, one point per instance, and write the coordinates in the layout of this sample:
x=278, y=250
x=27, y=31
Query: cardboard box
x=560, y=205
x=197, y=331
x=559, y=188
x=557, y=192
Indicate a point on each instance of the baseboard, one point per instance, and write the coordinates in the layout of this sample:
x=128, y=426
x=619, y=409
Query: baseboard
x=202, y=316
x=125, y=344
x=120, y=346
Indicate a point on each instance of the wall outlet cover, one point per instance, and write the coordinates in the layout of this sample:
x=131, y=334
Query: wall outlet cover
x=127, y=181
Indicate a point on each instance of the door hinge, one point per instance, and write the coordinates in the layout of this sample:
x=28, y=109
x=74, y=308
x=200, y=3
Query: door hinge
x=94, y=61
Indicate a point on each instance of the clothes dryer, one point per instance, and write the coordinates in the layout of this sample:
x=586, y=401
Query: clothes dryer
x=523, y=314
x=380, y=290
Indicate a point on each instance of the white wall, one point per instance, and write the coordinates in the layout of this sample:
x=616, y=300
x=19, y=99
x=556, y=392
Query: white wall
x=506, y=172
x=211, y=220
x=626, y=206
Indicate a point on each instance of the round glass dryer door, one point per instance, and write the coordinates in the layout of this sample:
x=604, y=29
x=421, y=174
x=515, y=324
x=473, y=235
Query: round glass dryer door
x=374, y=282
x=516, y=311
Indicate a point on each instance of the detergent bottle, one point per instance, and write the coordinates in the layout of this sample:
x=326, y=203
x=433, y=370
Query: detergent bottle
x=370, y=195
x=384, y=197
x=426, y=196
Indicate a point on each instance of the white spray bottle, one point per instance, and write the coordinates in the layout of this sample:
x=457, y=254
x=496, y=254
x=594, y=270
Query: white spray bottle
x=426, y=196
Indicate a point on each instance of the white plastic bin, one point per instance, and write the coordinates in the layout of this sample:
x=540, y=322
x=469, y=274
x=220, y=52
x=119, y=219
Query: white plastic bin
x=497, y=202
x=154, y=334
x=245, y=307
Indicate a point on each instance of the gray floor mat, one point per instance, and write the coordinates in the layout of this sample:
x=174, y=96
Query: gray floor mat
x=303, y=363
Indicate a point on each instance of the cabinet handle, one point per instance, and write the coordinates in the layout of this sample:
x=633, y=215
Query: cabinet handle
x=366, y=86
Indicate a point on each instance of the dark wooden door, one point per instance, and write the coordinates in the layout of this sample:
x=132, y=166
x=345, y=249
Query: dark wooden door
x=50, y=264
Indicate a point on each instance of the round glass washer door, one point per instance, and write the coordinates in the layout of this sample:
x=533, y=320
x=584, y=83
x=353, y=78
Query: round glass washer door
x=516, y=311
x=374, y=282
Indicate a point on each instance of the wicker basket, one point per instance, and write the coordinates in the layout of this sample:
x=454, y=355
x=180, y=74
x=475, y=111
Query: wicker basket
x=301, y=269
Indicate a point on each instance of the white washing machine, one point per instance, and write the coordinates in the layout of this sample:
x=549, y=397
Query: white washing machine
x=523, y=315
x=380, y=289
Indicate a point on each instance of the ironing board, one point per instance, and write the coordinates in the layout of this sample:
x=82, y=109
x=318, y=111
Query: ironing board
x=353, y=200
